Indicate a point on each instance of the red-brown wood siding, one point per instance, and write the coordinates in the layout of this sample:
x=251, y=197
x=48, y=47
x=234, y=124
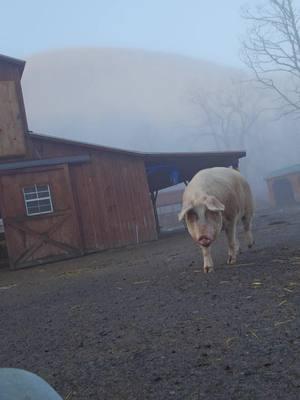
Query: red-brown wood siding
x=111, y=195
x=11, y=72
x=12, y=139
x=41, y=148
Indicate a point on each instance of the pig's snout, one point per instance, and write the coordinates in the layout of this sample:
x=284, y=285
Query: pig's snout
x=205, y=241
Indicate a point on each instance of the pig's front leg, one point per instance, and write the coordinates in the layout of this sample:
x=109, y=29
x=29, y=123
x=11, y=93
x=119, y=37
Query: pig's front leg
x=208, y=265
x=233, y=244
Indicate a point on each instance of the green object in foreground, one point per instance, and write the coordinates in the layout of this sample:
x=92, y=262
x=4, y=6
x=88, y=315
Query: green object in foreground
x=17, y=384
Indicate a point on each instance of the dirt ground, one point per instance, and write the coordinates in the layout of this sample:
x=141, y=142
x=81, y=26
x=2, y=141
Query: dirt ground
x=147, y=323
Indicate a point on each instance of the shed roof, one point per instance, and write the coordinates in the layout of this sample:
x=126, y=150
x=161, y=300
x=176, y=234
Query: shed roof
x=163, y=169
x=292, y=169
x=10, y=60
x=84, y=145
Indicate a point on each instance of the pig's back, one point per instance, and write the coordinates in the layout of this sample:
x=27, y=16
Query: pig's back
x=226, y=184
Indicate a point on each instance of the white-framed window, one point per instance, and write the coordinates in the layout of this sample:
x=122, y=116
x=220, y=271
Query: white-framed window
x=37, y=199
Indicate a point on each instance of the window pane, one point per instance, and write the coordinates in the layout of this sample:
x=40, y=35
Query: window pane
x=41, y=188
x=37, y=199
x=30, y=189
x=45, y=208
x=33, y=203
x=33, y=209
x=42, y=195
x=30, y=196
x=44, y=202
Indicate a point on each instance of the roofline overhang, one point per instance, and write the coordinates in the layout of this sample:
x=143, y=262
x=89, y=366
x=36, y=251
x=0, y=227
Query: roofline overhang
x=10, y=60
x=145, y=155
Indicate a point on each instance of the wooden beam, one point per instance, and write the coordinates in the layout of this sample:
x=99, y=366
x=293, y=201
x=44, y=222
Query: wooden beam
x=154, y=198
x=45, y=162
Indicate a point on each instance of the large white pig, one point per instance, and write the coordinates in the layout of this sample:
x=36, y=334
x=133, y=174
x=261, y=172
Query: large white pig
x=215, y=199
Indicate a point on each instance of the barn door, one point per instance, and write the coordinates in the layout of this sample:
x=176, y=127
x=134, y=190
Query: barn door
x=39, y=216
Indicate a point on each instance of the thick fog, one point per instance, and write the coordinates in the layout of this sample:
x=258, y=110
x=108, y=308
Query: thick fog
x=153, y=102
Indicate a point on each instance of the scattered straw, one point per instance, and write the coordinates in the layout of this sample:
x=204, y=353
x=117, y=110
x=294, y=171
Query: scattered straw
x=74, y=272
x=282, y=302
x=244, y=264
x=7, y=287
x=229, y=340
x=293, y=284
x=283, y=322
x=254, y=334
x=76, y=307
x=256, y=284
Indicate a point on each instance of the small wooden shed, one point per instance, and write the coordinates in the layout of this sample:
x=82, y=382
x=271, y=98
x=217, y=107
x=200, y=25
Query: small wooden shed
x=60, y=198
x=284, y=186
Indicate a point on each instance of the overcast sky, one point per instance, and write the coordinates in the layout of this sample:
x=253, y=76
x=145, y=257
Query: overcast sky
x=199, y=28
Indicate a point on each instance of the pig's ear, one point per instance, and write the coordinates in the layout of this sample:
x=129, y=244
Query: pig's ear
x=184, y=210
x=213, y=204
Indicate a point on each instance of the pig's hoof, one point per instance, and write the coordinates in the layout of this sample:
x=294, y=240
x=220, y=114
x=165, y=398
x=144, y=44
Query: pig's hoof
x=231, y=260
x=250, y=245
x=208, y=269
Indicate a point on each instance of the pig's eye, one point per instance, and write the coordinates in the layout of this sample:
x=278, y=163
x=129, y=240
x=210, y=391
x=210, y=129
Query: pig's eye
x=211, y=214
x=192, y=216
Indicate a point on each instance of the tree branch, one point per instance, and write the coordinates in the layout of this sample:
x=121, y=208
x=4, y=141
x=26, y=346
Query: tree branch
x=272, y=49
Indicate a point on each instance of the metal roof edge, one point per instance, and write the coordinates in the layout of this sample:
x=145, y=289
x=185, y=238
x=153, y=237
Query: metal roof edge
x=241, y=153
x=45, y=162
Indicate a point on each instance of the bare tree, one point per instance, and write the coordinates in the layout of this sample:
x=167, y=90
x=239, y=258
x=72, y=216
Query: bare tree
x=272, y=50
x=229, y=115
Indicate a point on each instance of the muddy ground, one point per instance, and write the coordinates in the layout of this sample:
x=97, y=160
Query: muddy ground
x=146, y=323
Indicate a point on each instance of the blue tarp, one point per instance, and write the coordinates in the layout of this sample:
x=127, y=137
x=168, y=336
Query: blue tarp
x=171, y=170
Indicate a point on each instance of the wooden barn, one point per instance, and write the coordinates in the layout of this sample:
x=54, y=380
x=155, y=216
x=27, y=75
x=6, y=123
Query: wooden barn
x=284, y=186
x=61, y=199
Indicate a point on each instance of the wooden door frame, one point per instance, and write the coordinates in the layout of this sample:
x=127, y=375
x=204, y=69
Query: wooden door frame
x=45, y=237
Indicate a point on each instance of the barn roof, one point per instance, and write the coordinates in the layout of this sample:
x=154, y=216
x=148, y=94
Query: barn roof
x=19, y=63
x=292, y=169
x=84, y=145
x=163, y=169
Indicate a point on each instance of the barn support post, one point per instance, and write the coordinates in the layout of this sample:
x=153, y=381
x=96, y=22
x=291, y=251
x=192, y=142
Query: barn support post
x=235, y=165
x=154, y=198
